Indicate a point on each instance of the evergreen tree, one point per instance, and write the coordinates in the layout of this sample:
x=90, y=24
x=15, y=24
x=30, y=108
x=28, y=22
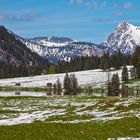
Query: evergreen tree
x=114, y=86
x=73, y=85
x=125, y=74
x=54, y=89
x=138, y=72
x=105, y=61
x=70, y=85
x=117, y=60
x=66, y=84
x=58, y=87
x=136, y=61
x=89, y=90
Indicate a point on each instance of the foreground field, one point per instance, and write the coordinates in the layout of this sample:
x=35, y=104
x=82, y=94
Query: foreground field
x=81, y=131
x=68, y=118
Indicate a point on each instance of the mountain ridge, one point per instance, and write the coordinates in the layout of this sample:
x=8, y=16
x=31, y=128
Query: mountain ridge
x=58, y=49
x=125, y=38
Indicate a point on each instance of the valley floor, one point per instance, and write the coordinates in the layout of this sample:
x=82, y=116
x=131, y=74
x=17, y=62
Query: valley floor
x=96, y=78
x=36, y=116
x=70, y=118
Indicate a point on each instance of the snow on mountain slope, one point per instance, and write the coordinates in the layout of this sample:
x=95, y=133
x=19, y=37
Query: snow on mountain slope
x=126, y=37
x=58, y=49
x=51, y=41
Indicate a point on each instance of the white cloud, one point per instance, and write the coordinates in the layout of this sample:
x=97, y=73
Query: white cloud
x=3, y=16
x=118, y=14
x=71, y=1
x=89, y=3
x=128, y=5
x=28, y=17
x=80, y=2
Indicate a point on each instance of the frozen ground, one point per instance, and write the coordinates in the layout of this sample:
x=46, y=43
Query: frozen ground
x=18, y=110
x=95, y=78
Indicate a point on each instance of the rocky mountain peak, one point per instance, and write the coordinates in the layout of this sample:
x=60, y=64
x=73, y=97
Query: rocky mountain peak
x=125, y=38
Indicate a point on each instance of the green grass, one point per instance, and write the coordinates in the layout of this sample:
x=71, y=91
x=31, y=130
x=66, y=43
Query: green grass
x=69, y=117
x=133, y=107
x=11, y=111
x=127, y=127
x=134, y=80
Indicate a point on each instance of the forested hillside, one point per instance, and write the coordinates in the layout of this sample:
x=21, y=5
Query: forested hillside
x=16, y=59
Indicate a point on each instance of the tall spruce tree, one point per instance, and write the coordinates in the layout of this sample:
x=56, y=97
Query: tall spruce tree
x=70, y=84
x=66, y=84
x=73, y=85
x=58, y=87
x=54, y=89
x=105, y=61
x=136, y=61
x=114, y=86
x=125, y=74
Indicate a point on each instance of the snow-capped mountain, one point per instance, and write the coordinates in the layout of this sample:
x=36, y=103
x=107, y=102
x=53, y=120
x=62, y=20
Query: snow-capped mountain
x=58, y=49
x=125, y=38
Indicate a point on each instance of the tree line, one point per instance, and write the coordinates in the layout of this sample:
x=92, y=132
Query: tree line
x=70, y=86
x=8, y=70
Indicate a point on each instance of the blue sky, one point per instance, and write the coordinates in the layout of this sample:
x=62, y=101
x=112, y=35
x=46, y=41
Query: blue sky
x=85, y=20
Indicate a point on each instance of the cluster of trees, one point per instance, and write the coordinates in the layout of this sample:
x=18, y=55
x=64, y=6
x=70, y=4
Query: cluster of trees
x=57, y=88
x=78, y=64
x=114, y=86
x=16, y=59
x=136, y=62
x=125, y=75
x=104, y=62
x=8, y=70
x=70, y=84
x=116, y=60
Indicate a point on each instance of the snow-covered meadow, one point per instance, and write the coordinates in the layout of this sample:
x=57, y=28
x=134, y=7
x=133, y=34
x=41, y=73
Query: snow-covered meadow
x=95, y=78
x=66, y=110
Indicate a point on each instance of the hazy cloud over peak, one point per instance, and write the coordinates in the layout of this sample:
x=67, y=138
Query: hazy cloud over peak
x=28, y=17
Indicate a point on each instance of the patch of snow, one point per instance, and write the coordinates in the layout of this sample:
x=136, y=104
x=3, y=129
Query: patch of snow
x=29, y=118
x=95, y=78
